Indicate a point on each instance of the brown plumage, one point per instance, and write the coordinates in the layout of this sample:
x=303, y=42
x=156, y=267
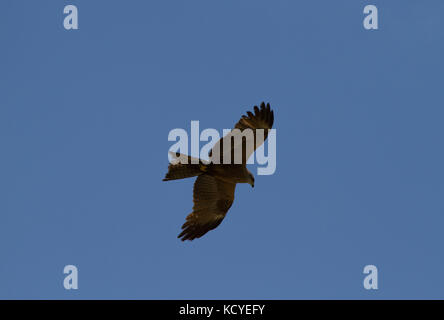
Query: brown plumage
x=213, y=192
x=182, y=171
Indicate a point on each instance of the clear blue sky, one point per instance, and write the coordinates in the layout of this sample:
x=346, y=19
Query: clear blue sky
x=84, y=121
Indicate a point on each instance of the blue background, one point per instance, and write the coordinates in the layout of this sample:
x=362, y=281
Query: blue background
x=84, y=120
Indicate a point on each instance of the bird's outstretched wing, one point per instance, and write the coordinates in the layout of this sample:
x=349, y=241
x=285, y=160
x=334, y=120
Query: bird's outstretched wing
x=245, y=138
x=212, y=198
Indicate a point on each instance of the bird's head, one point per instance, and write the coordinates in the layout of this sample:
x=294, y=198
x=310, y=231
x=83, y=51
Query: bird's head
x=250, y=179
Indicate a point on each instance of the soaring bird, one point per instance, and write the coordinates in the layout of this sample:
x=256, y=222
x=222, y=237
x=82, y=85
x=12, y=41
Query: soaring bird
x=213, y=192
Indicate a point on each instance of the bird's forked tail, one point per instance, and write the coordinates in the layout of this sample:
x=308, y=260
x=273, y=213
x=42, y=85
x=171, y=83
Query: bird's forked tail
x=185, y=166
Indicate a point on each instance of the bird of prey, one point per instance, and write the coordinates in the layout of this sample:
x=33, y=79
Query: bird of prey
x=213, y=192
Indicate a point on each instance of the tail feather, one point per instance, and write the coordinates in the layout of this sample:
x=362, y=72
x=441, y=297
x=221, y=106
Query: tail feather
x=184, y=166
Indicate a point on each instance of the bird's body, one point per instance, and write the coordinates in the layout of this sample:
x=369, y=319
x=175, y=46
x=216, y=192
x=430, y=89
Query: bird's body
x=213, y=192
x=232, y=173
